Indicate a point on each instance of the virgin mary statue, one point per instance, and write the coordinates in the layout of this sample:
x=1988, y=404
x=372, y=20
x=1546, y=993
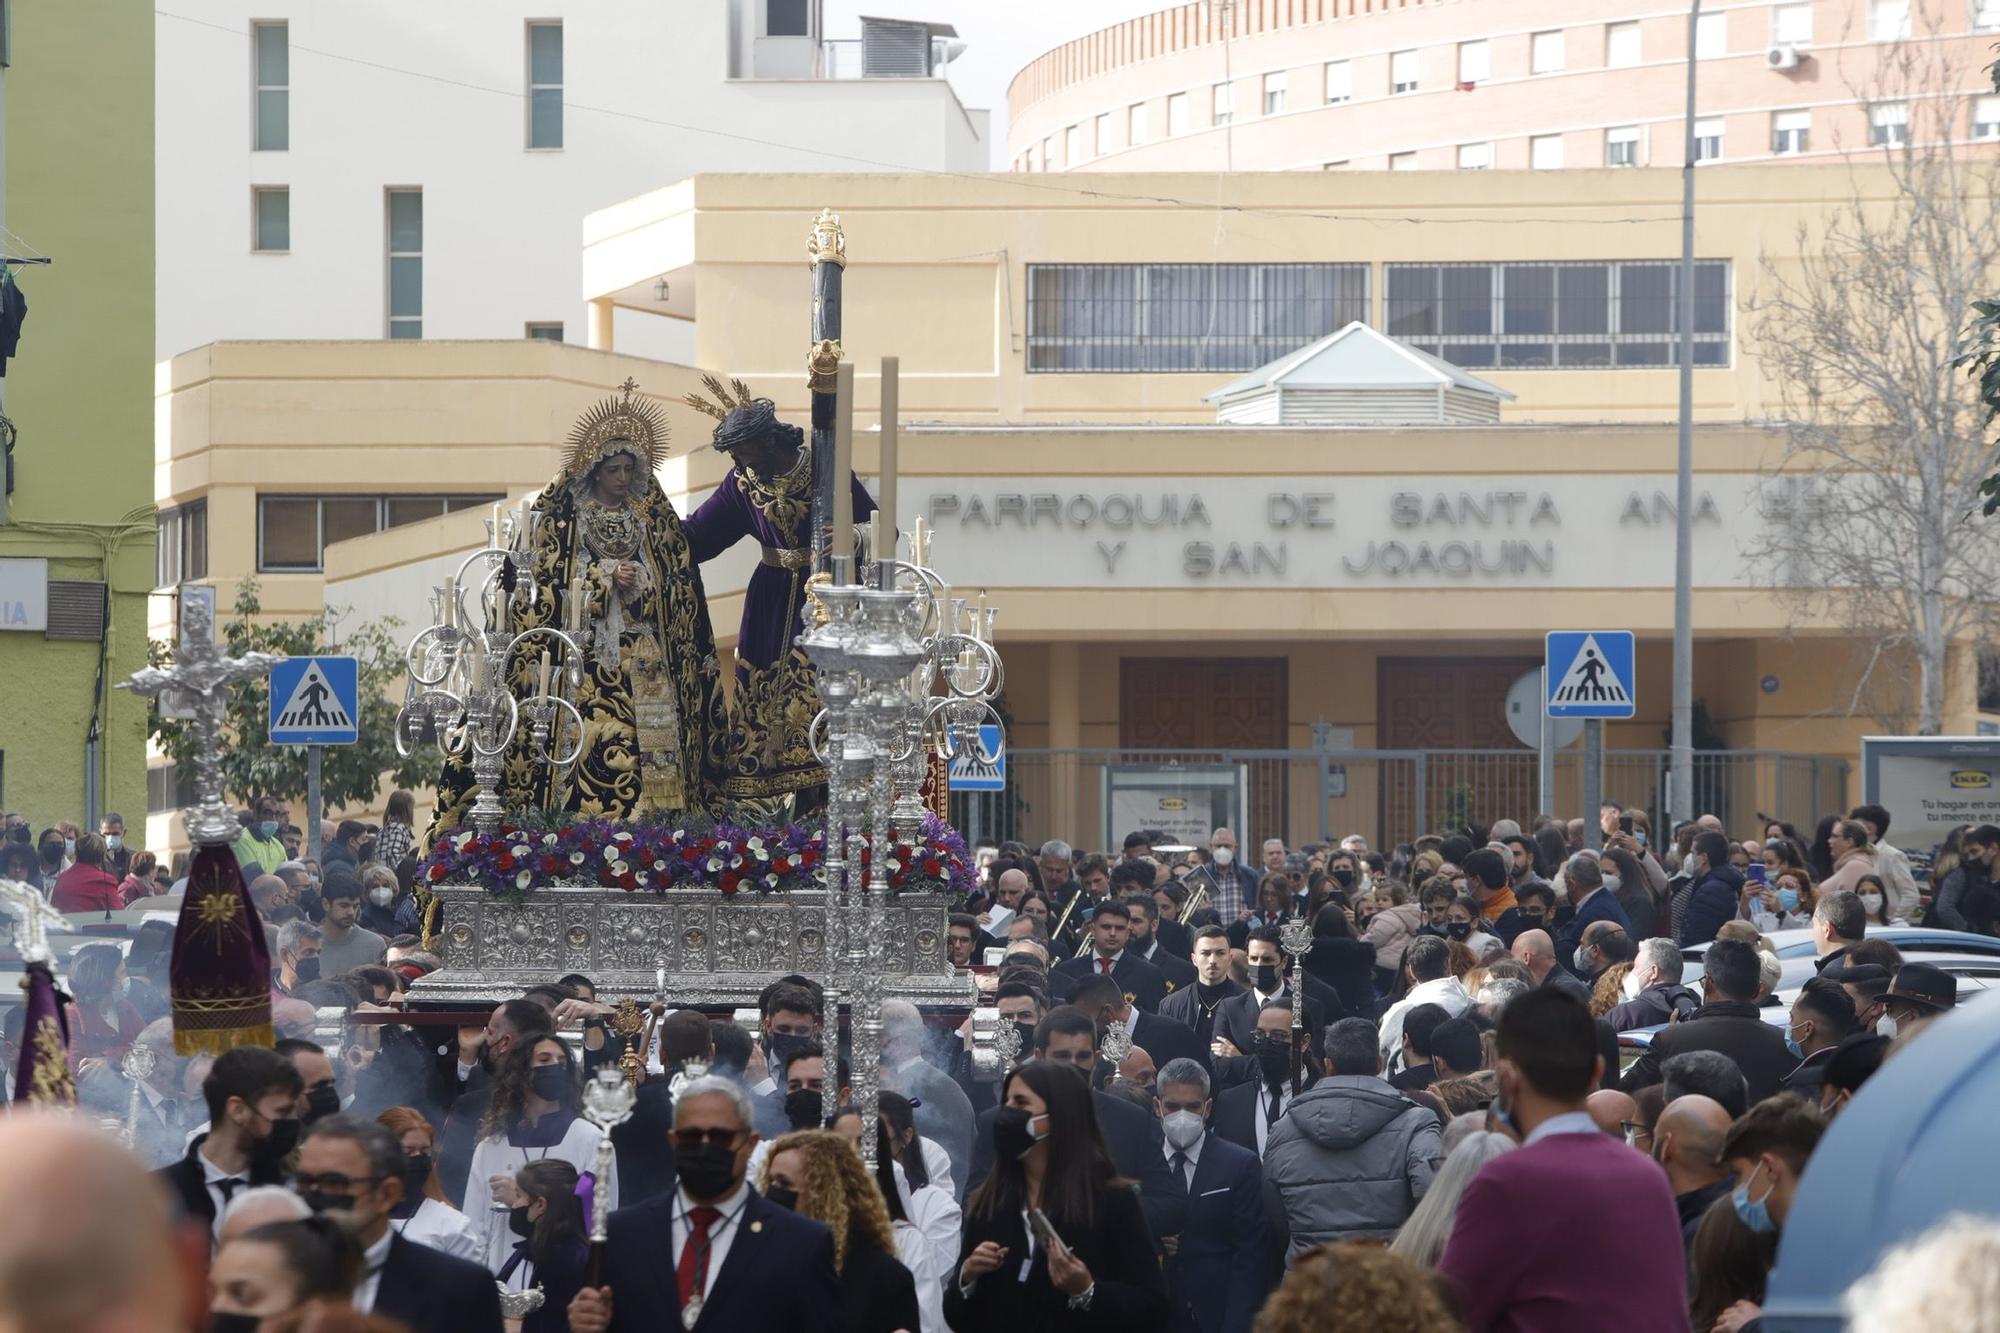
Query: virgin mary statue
x=609, y=557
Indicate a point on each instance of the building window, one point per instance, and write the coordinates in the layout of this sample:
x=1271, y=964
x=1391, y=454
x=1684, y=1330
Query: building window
x=1888, y=20
x=1072, y=145
x=1791, y=24
x=1545, y=152
x=1707, y=140
x=1129, y=318
x=1888, y=124
x=1224, y=103
x=1135, y=124
x=1049, y=154
x=274, y=219
x=1475, y=156
x=1339, y=81
x=1474, y=62
x=1545, y=52
x=788, y=18
x=293, y=531
x=1711, y=36
x=1621, y=44
x=1101, y=132
x=548, y=331
x=1402, y=72
x=1621, y=146
x=1555, y=316
x=1985, y=15
x=1402, y=161
x=1986, y=117
x=272, y=42
x=1274, y=92
x=545, y=85
x=1177, y=114
x=1791, y=132
x=406, y=263
x=181, y=554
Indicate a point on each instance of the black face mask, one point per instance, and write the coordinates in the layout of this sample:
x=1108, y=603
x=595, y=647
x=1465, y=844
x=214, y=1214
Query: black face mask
x=325, y=1203
x=1264, y=976
x=550, y=1082
x=780, y=1047
x=52, y=854
x=1344, y=878
x=320, y=1103
x=802, y=1108
x=1012, y=1135
x=784, y=1196
x=1027, y=1031
x=707, y=1170
x=306, y=969
x=1274, y=1057
x=416, y=1174
x=518, y=1223
x=235, y=1323
x=1532, y=918
x=277, y=1145
x=1459, y=930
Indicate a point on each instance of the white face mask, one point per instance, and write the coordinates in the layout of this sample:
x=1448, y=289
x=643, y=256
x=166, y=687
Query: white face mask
x=1885, y=1026
x=1631, y=986
x=1871, y=903
x=1182, y=1128
x=1224, y=855
x=382, y=897
x=1612, y=883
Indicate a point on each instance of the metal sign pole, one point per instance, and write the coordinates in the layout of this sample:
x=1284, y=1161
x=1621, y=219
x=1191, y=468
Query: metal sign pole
x=312, y=802
x=1593, y=783
x=1545, y=765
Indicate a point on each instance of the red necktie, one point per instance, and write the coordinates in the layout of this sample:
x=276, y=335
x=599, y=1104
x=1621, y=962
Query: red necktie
x=695, y=1251
x=1104, y=966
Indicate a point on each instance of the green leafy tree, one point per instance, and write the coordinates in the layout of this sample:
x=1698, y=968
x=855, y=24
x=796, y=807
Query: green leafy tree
x=251, y=765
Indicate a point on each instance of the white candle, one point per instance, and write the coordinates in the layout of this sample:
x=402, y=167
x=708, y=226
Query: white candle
x=450, y=606
x=542, y=687
x=885, y=480
x=842, y=528
x=979, y=619
x=479, y=670
x=917, y=541
x=575, y=603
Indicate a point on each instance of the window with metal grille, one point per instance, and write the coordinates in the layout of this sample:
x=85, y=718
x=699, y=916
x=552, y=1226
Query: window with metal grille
x=293, y=531
x=1556, y=316
x=181, y=551
x=1121, y=318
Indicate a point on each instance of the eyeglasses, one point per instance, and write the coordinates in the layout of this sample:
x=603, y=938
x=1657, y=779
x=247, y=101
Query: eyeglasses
x=333, y=1183
x=1634, y=1129
x=688, y=1139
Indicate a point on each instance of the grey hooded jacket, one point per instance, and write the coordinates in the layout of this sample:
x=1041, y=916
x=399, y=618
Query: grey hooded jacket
x=1350, y=1159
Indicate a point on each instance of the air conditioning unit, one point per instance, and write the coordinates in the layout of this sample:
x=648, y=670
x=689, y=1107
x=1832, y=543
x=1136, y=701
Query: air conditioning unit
x=1783, y=57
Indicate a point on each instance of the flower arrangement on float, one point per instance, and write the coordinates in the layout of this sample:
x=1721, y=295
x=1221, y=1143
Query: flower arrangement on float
x=536, y=852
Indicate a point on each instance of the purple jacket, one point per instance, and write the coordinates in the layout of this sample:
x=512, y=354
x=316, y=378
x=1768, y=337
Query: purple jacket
x=1576, y=1232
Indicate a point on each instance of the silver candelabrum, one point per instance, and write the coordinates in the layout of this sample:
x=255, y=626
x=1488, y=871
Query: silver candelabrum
x=880, y=653
x=1297, y=937
x=458, y=695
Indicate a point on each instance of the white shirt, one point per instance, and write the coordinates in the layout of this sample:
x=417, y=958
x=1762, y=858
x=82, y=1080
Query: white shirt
x=442, y=1227
x=1569, y=1122
x=1098, y=960
x=495, y=1156
x=212, y=1176
x=371, y=1283
x=914, y=1248
x=1193, y=1152
x=1444, y=992
x=1264, y=1095
x=721, y=1233
x=936, y=1214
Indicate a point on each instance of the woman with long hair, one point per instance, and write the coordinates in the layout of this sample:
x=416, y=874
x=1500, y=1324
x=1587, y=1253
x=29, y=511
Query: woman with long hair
x=1423, y=1236
x=398, y=829
x=817, y=1174
x=425, y=1215
x=1608, y=991
x=138, y=882
x=105, y=1022
x=545, y=1218
x=533, y=1116
x=1727, y=1263
x=1275, y=895
x=1342, y=961
x=1092, y=1264
x=1819, y=857
x=1632, y=890
x=1465, y=924
x=1551, y=850
x=1875, y=901
x=930, y=1208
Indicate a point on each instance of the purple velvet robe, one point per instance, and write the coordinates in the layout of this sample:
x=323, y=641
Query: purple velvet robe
x=776, y=697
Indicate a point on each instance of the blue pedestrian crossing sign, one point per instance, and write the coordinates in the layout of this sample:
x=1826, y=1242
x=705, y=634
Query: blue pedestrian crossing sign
x=1590, y=673
x=981, y=767
x=315, y=701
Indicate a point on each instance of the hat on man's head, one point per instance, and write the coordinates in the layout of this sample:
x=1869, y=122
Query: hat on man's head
x=1923, y=985
x=1856, y=974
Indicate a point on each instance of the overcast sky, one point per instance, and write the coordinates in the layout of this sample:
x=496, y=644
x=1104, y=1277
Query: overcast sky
x=1000, y=37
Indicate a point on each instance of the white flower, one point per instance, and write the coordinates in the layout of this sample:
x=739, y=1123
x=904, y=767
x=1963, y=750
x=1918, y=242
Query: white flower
x=524, y=879
x=548, y=840
x=461, y=840
x=576, y=858
x=640, y=877
x=621, y=837
x=680, y=835
x=714, y=865
x=771, y=880
x=755, y=844
x=611, y=853
x=659, y=865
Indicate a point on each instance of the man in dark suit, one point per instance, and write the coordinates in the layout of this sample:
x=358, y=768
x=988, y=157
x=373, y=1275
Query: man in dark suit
x=1236, y=1018
x=1222, y=1265
x=354, y=1166
x=468, y=1093
x=1069, y=1037
x=252, y=1094
x=1110, y=927
x=1162, y=1038
x=1245, y=1113
x=1144, y=940
x=1584, y=882
x=750, y=1263
x=1728, y=1022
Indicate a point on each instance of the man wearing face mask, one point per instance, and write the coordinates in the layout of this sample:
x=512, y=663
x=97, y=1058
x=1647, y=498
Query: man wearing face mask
x=252, y=1095
x=1605, y=944
x=55, y=851
x=711, y=1252
x=1236, y=1018
x=1583, y=881
x=322, y=1097
x=258, y=848
x=1235, y=883
x=1728, y=1023
x=1822, y=1017
x=346, y=944
x=356, y=1168
x=1716, y=893
x=1767, y=1149
x=1653, y=990
x=1220, y=1268
x=117, y=856
x=480, y=1051
x=1246, y=1113
x=299, y=943
x=1428, y=963
x=790, y=1019
x=1687, y=1143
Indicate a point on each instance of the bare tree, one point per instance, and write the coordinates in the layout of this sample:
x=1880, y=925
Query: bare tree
x=1871, y=512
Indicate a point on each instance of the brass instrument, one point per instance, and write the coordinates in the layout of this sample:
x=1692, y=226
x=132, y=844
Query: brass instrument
x=1199, y=892
x=1083, y=945
x=1063, y=920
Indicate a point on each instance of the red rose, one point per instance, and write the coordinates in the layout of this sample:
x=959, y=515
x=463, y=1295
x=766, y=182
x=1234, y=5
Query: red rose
x=730, y=879
x=551, y=864
x=809, y=858
x=932, y=870
x=781, y=866
x=438, y=872
x=506, y=861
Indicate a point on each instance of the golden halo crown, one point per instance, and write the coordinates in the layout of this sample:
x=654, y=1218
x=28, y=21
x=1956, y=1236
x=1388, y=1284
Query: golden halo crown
x=634, y=424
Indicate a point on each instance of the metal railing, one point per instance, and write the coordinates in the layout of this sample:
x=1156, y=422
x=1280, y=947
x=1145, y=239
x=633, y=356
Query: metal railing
x=1093, y=798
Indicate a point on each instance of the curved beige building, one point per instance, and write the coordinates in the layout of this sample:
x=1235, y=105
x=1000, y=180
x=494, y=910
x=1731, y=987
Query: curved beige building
x=1307, y=85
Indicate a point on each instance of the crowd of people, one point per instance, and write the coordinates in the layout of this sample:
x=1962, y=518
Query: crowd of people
x=1196, y=1130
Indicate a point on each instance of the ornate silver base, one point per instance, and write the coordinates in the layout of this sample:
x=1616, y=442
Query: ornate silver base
x=716, y=952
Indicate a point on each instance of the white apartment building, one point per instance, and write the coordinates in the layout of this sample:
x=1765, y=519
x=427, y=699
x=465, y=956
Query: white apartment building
x=382, y=169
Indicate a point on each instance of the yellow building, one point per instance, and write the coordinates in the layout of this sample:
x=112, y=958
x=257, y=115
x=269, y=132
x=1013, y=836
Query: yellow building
x=1328, y=614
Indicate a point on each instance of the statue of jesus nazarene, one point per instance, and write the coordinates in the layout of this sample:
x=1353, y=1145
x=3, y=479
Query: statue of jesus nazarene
x=766, y=496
